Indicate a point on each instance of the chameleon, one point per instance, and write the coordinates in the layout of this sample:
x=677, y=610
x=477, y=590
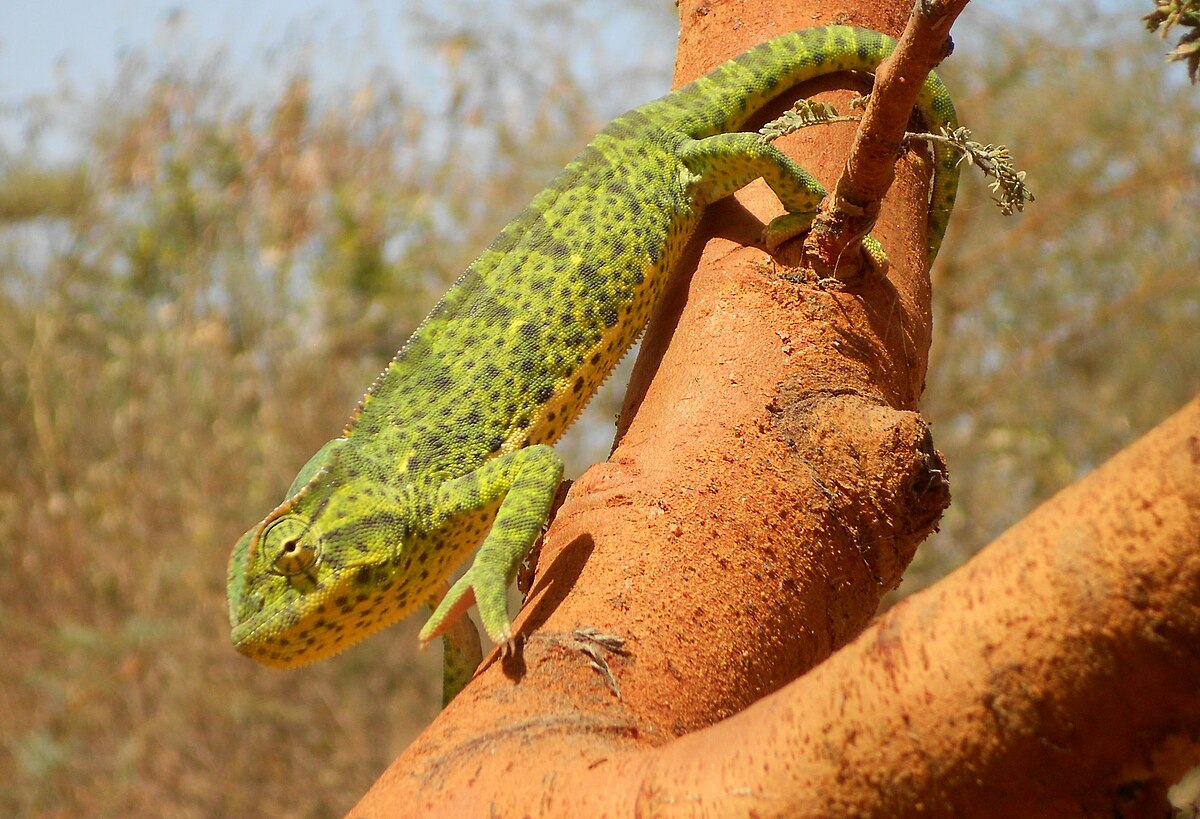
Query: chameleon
x=450, y=448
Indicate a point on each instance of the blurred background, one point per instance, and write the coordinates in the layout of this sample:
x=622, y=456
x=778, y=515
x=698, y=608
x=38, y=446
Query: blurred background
x=219, y=221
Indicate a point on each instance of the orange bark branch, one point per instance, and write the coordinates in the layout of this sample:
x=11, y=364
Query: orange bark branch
x=850, y=212
x=770, y=484
x=1054, y=675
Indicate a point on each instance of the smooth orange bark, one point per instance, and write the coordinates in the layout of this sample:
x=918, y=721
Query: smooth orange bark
x=769, y=486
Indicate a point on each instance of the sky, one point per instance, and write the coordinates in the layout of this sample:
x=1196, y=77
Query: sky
x=91, y=36
x=44, y=45
x=82, y=41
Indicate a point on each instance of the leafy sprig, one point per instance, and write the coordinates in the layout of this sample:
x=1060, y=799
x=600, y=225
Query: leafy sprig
x=1184, y=13
x=994, y=161
x=801, y=115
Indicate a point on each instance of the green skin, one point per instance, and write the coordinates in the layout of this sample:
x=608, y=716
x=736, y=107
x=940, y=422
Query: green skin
x=450, y=446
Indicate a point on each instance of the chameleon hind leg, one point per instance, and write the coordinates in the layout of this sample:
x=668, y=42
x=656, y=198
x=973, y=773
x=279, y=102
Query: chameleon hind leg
x=524, y=483
x=725, y=163
x=461, y=652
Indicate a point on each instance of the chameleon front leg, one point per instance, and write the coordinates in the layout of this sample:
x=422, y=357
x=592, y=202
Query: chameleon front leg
x=725, y=163
x=524, y=483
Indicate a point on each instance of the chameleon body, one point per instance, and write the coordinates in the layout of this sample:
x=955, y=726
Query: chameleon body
x=450, y=446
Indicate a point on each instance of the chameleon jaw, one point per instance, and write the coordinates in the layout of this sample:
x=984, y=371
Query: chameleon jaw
x=289, y=621
x=294, y=635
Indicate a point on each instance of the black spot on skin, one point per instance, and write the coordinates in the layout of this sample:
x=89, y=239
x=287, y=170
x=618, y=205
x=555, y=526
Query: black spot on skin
x=589, y=270
x=544, y=395
x=363, y=576
x=577, y=387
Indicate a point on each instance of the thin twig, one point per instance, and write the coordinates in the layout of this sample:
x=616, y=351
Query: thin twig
x=850, y=211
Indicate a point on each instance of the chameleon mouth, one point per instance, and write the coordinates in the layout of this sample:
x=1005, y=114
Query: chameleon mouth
x=320, y=621
x=287, y=638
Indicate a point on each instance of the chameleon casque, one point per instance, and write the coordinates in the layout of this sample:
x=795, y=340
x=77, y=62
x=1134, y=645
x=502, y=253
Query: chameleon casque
x=451, y=444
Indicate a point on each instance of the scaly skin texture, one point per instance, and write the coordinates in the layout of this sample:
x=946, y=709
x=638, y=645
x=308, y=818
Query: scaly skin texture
x=450, y=446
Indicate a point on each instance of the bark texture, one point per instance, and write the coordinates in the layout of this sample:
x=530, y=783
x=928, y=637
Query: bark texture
x=769, y=485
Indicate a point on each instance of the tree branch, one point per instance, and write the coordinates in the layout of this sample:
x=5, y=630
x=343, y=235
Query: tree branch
x=770, y=484
x=853, y=206
x=1058, y=665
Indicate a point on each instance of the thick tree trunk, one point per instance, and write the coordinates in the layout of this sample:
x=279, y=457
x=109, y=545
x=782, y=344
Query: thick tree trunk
x=770, y=484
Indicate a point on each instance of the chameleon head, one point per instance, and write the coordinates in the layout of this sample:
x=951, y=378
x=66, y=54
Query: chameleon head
x=301, y=589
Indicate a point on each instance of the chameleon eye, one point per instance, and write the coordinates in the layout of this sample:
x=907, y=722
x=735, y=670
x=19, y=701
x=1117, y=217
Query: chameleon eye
x=295, y=558
x=292, y=555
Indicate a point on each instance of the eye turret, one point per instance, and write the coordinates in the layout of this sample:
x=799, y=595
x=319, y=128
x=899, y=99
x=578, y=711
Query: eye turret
x=292, y=555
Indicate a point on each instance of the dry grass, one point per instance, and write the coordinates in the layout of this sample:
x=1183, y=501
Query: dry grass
x=184, y=319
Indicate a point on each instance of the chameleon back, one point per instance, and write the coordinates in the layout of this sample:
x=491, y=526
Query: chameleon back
x=447, y=446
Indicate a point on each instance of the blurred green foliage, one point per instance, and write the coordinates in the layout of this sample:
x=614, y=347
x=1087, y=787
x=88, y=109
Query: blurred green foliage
x=194, y=306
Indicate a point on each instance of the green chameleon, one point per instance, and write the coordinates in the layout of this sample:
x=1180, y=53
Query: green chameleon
x=451, y=444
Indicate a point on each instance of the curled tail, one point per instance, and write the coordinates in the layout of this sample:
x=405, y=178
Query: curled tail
x=726, y=97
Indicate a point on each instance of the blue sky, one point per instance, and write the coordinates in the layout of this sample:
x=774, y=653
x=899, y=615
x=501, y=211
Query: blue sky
x=79, y=44
x=43, y=43
x=90, y=36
